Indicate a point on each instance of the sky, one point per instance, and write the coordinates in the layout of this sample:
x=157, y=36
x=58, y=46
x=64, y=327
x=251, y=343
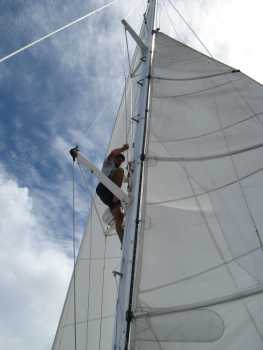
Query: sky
x=62, y=92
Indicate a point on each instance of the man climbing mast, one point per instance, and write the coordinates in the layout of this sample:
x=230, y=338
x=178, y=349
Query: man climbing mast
x=111, y=168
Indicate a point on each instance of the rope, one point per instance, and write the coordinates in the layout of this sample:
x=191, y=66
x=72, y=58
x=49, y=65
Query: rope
x=190, y=28
x=74, y=256
x=56, y=31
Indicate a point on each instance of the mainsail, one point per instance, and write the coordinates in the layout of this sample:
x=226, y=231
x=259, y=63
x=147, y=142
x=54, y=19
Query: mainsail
x=199, y=272
x=198, y=280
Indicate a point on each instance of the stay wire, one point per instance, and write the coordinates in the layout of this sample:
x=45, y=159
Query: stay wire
x=170, y=20
x=190, y=28
x=74, y=254
x=14, y=53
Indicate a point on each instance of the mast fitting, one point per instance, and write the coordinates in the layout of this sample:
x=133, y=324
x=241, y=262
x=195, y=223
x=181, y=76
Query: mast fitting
x=135, y=36
x=74, y=153
x=117, y=273
x=129, y=315
x=155, y=31
x=142, y=157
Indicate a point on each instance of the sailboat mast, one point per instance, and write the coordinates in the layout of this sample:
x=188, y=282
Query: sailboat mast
x=124, y=311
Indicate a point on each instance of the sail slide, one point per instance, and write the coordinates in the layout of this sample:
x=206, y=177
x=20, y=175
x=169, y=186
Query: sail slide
x=199, y=275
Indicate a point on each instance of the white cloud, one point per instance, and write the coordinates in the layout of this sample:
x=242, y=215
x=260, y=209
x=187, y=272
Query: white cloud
x=34, y=276
x=35, y=269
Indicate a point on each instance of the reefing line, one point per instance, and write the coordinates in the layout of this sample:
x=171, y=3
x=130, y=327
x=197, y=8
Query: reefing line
x=5, y=58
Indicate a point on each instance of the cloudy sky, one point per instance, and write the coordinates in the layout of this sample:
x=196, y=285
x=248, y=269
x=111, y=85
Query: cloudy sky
x=65, y=91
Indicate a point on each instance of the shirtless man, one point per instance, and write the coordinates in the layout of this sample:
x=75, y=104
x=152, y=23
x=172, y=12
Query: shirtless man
x=111, y=168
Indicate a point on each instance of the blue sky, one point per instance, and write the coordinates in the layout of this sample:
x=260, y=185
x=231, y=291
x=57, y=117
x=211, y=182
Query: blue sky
x=61, y=92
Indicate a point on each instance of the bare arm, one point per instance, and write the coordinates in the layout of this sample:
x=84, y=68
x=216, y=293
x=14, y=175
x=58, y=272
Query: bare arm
x=117, y=151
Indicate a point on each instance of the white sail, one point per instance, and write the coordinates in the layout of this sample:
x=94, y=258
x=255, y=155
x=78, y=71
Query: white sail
x=91, y=325
x=199, y=279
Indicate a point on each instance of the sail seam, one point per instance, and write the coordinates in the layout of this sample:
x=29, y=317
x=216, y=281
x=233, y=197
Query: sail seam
x=174, y=200
x=199, y=91
x=201, y=273
x=166, y=140
x=200, y=305
x=201, y=77
x=204, y=158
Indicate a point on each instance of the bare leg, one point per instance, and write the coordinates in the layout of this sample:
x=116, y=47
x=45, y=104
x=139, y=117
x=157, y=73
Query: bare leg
x=118, y=217
x=117, y=178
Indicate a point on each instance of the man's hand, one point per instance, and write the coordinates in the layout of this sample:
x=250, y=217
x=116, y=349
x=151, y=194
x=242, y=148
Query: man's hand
x=125, y=147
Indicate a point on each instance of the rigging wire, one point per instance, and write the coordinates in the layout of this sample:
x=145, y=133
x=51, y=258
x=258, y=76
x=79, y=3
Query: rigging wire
x=74, y=255
x=170, y=20
x=23, y=48
x=190, y=28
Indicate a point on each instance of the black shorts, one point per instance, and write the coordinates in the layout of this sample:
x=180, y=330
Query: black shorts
x=106, y=196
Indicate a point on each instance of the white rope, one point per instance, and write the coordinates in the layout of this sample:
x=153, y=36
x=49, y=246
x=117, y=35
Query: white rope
x=56, y=31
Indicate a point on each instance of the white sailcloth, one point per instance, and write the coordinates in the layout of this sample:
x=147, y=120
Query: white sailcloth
x=199, y=282
x=96, y=288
